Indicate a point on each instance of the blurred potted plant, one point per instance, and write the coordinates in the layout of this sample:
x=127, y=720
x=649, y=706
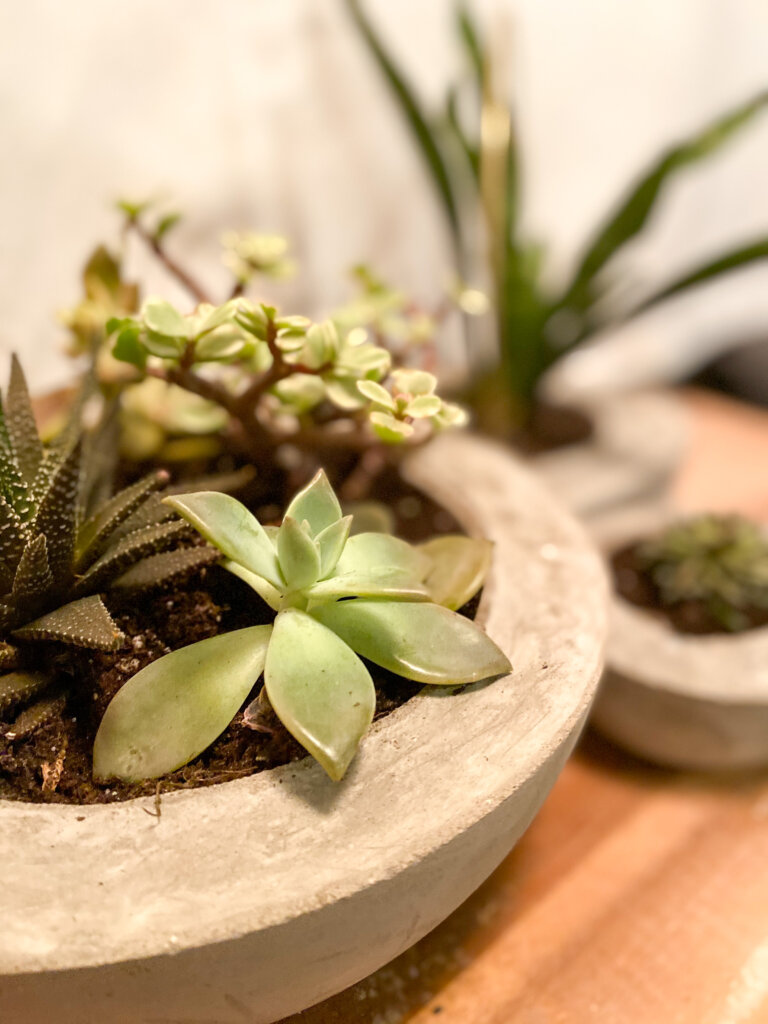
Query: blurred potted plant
x=686, y=682
x=476, y=167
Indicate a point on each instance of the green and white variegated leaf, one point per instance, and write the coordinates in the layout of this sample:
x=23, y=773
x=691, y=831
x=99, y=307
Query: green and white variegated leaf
x=319, y=689
x=298, y=555
x=161, y=318
x=98, y=529
x=82, y=623
x=392, y=584
x=22, y=428
x=266, y=591
x=231, y=528
x=177, y=706
x=159, y=570
x=330, y=543
x=369, y=552
x=458, y=568
x=316, y=503
x=424, y=642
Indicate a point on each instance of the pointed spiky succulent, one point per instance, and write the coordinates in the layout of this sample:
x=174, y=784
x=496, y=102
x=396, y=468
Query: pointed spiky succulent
x=64, y=542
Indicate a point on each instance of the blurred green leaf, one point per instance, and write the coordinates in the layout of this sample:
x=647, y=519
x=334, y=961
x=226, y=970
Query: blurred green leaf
x=417, y=122
x=635, y=208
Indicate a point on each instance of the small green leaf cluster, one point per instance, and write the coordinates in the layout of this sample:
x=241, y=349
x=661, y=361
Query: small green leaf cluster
x=410, y=399
x=304, y=365
x=386, y=312
x=719, y=560
x=208, y=334
x=248, y=254
x=105, y=295
x=339, y=598
x=64, y=541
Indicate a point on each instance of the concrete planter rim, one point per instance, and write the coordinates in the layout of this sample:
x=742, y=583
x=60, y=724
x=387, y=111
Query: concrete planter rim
x=105, y=876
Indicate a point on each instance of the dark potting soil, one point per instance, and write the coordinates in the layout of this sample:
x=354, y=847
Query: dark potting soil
x=636, y=585
x=45, y=751
x=552, y=427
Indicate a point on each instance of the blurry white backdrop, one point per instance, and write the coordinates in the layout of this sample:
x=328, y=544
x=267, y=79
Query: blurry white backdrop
x=266, y=115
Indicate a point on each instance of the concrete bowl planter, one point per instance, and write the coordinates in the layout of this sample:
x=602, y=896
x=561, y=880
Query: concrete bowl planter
x=639, y=441
x=684, y=701
x=253, y=899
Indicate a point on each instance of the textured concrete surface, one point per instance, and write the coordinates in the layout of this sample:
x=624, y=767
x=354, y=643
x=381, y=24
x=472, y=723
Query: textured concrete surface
x=253, y=899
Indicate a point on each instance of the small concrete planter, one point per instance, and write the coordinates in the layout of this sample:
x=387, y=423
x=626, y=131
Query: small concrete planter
x=639, y=441
x=256, y=898
x=695, y=702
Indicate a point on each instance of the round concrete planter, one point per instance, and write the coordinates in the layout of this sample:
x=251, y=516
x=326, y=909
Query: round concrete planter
x=253, y=899
x=638, y=442
x=698, y=702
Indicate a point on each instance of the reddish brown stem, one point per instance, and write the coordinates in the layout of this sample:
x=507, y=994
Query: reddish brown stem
x=175, y=269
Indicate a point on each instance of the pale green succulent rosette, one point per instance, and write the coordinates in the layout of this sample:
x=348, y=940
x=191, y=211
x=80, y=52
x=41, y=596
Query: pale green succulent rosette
x=338, y=598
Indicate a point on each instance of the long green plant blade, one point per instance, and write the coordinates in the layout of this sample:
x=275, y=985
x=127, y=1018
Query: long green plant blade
x=413, y=114
x=633, y=211
x=706, y=273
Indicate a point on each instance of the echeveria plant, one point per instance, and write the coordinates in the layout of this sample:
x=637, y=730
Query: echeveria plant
x=338, y=598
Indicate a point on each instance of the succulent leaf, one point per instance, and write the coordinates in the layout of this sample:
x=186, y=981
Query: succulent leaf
x=56, y=516
x=106, y=520
x=127, y=551
x=298, y=555
x=158, y=570
x=330, y=543
x=392, y=584
x=319, y=689
x=424, y=642
x=458, y=567
x=231, y=528
x=266, y=591
x=22, y=428
x=317, y=503
x=82, y=623
x=18, y=688
x=12, y=543
x=178, y=705
x=368, y=552
x=33, y=575
x=10, y=657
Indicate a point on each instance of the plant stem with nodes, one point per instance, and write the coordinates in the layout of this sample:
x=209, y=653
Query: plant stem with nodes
x=175, y=269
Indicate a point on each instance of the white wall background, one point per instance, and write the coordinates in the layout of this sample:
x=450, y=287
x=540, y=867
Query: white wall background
x=267, y=114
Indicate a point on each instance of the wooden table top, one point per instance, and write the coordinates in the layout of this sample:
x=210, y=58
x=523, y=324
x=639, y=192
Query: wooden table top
x=638, y=896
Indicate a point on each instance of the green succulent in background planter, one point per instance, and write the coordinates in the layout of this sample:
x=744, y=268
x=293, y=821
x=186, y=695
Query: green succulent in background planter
x=720, y=561
x=338, y=598
x=477, y=170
